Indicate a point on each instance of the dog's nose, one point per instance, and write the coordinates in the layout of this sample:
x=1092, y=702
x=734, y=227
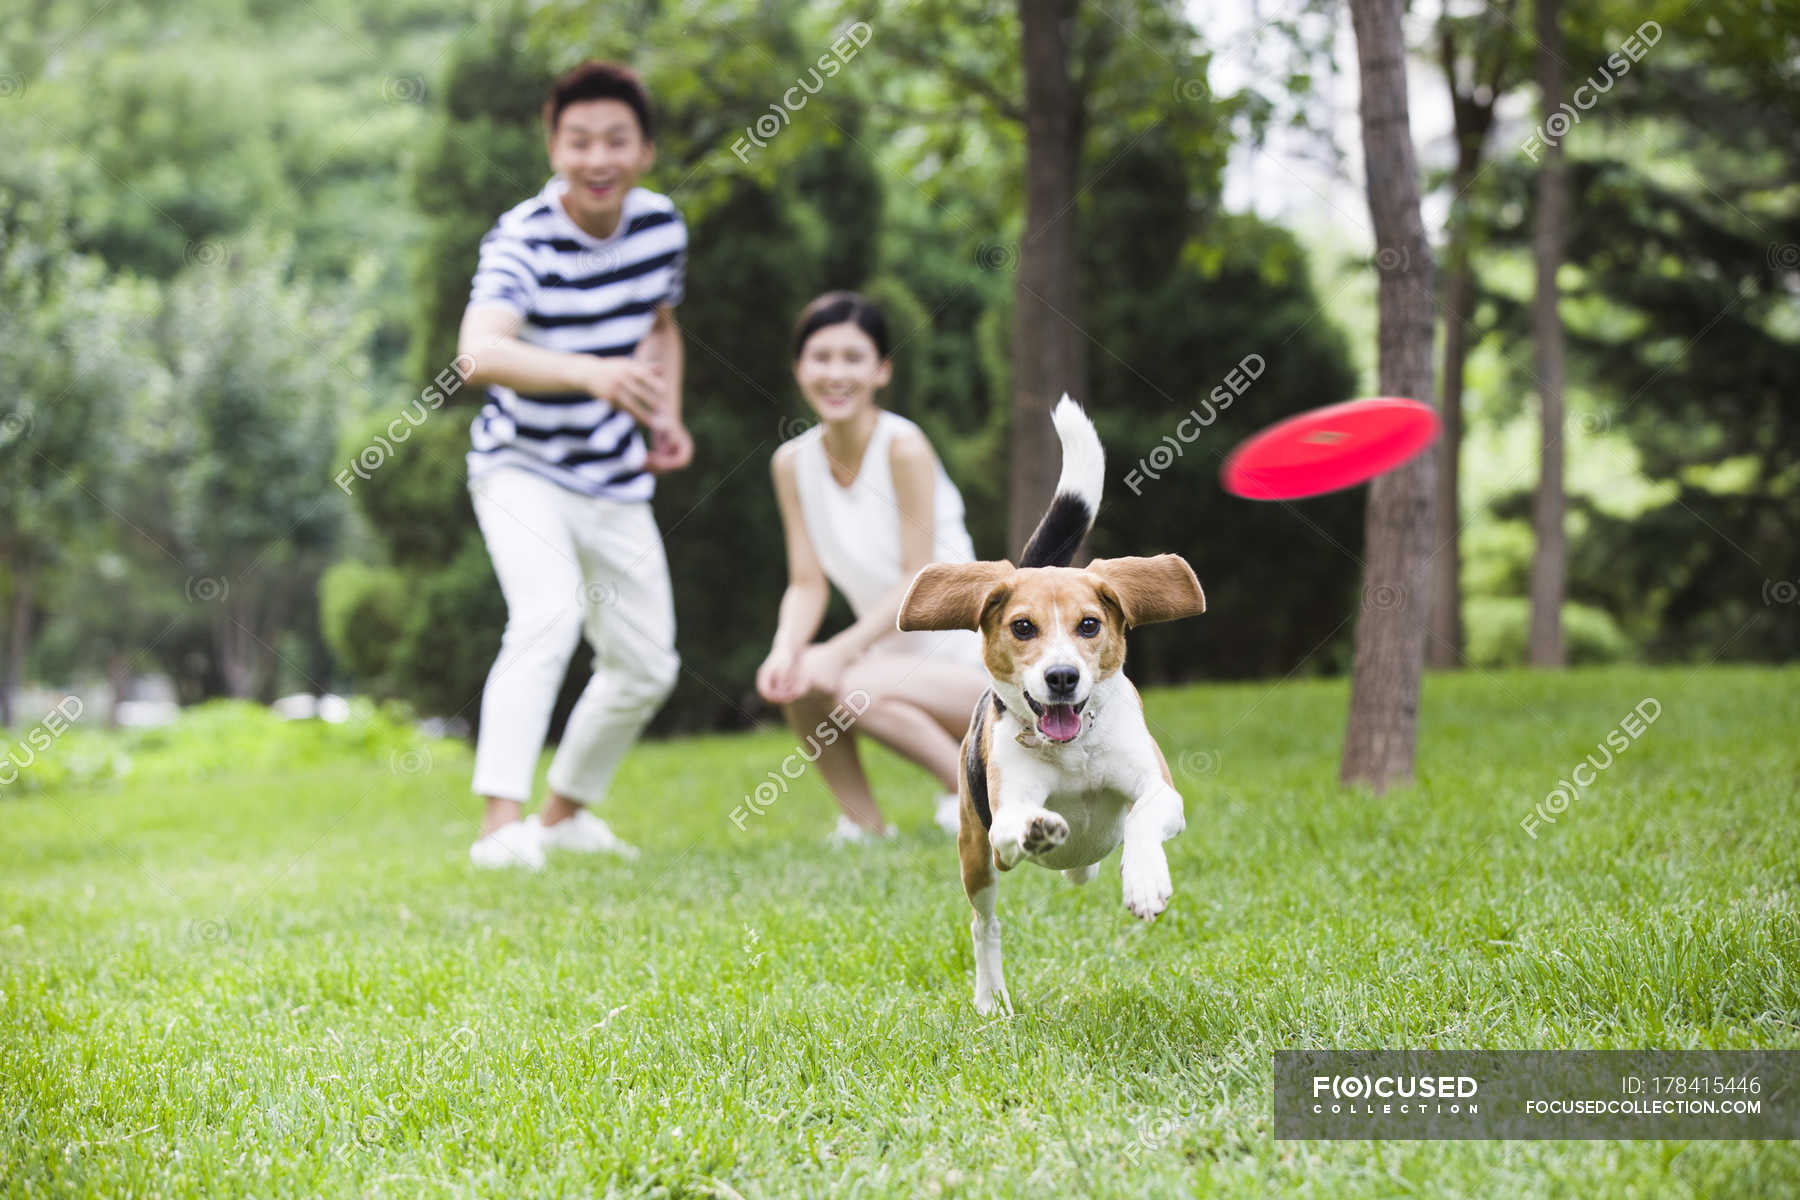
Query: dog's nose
x=1061, y=680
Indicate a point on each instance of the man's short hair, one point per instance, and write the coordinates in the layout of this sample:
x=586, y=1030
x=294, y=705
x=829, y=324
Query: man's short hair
x=594, y=80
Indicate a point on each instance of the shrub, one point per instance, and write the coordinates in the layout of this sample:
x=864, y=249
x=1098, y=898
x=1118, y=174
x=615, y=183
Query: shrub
x=1496, y=628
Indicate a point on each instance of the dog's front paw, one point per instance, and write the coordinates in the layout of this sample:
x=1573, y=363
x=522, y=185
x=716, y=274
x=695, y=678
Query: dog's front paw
x=1147, y=885
x=1024, y=834
x=1044, y=832
x=988, y=999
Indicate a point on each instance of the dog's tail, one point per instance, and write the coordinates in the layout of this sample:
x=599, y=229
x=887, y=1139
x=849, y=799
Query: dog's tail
x=1071, y=513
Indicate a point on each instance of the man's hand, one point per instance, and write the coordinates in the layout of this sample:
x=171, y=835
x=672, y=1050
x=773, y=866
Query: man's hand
x=671, y=448
x=635, y=386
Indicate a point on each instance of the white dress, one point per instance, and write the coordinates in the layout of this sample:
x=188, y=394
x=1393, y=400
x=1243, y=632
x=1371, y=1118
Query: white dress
x=855, y=532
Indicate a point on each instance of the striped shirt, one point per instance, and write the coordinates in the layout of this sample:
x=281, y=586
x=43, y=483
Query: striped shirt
x=586, y=295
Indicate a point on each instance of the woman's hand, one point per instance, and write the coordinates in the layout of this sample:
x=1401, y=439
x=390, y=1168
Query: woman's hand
x=822, y=667
x=778, y=679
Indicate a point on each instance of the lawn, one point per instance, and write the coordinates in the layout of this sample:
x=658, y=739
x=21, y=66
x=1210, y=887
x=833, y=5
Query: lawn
x=237, y=965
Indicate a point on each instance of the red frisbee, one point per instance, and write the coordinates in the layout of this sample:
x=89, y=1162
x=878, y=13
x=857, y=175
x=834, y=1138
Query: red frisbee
x=1329, y=448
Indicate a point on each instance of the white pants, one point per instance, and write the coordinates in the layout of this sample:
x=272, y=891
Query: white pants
x=570, y=564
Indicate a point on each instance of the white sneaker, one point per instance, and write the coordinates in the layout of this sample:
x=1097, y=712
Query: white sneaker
x=949, y=813
x=583, y=833
x=849, y=833
x=516, y=844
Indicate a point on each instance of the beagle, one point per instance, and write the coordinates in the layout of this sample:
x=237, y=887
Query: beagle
x=1058, y=764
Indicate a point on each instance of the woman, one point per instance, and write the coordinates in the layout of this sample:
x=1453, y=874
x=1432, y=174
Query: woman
x=864, y=505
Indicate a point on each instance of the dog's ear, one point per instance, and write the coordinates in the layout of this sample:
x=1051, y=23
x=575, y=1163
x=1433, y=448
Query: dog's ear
x=950, y=595
x=1148, y=590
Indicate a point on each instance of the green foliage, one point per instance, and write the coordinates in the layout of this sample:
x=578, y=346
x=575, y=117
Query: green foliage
x=941, y=296
x=73, y=357
x=1683, y=259
x=1182, y=303
x=837, y=180
x=298, y=123
x=1496, y=628
x=416, y=495
x=363, y=610
x=275, y=170
x=452, y=631
x=63, y=364
x=69, y=343
x=482, y=153
x=255, y=362
x=221, y=741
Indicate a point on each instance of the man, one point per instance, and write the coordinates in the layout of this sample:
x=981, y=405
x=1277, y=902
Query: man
x=571, y=327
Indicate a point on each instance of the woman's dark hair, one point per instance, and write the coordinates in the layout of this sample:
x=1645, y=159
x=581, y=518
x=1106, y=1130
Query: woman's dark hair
x=594, y=80
x=840, y=308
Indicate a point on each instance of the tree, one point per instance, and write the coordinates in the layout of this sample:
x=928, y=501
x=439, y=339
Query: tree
x=1684, y=261
x=1049, y=351
x=1390, y=635
x=1055, y=72
x=68, y=337
x=256, y=364
x=1549, y=560
x=1212, y=327
x=1475, y=54
x=482, y=153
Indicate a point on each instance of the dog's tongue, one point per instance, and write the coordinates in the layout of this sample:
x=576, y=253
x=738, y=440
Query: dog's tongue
x=1060, y=722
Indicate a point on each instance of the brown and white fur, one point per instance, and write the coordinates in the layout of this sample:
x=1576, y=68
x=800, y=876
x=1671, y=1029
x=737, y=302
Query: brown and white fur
x=1058, y=764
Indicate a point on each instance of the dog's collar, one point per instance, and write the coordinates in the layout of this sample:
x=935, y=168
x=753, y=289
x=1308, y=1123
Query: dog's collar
x=1028, y=733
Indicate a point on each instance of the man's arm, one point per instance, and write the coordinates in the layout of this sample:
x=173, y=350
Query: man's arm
x=489, y=337
x=671, y=446
x=662, y=347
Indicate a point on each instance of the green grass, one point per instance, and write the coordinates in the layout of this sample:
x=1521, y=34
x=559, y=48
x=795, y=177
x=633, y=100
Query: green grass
x=289, y=982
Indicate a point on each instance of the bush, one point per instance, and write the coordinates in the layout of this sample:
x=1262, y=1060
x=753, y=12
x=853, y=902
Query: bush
x=455, y=618
x=1496, y=628
x=416, y=496
x=223, y=737
x=363, y=610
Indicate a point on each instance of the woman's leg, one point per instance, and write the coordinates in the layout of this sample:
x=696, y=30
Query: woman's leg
x=810, y=717
x=918, y=707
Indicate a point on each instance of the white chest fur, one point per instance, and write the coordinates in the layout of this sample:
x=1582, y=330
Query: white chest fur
x=1090, y=782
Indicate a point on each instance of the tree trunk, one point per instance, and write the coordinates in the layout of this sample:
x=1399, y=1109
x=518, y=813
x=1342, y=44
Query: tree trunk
x=1444, y=649
x=1472, y=108
x=118, y=677
x=235, y=662
x=246, y=659
x=18, y=638
x=1549, y=565
x=1048, y=348
x=1390, y=636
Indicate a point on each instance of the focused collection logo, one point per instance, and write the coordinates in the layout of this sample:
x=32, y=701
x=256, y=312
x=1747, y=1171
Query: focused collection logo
x=1390, y=1094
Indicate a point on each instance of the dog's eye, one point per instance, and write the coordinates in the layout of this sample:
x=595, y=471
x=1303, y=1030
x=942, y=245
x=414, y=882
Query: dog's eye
x=1024, y=630
x=1088, y=627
